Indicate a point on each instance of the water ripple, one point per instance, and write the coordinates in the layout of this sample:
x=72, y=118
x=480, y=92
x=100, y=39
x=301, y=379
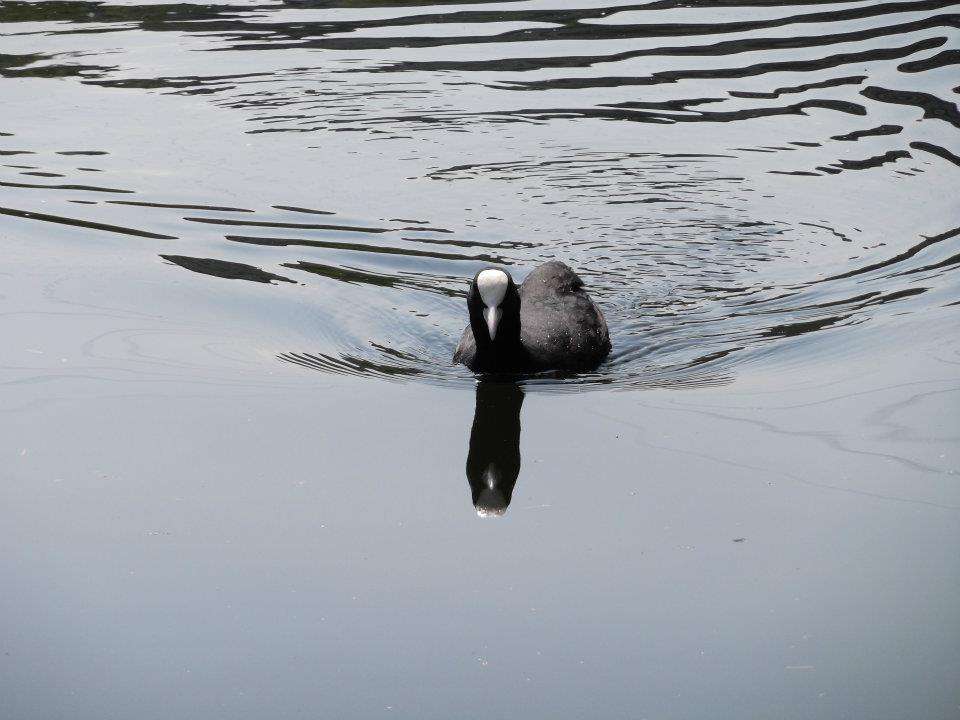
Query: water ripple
x=657, y=147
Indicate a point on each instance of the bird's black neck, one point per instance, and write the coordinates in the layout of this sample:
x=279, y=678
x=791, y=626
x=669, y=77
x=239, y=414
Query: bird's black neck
x=504, y=353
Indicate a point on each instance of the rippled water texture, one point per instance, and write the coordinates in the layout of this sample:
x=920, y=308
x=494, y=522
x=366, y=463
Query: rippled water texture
x=239, y=475
x=731, y=179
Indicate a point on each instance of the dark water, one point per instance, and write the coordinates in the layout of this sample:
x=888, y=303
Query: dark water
x=224, y=226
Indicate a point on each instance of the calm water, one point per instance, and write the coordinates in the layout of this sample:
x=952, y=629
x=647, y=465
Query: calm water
x=240, y=477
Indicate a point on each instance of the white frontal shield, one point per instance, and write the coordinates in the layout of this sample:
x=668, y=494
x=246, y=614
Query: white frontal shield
x=492, y=285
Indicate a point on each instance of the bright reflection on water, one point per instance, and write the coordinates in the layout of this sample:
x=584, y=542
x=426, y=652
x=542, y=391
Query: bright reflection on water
x=663, y=154
x=213, y=215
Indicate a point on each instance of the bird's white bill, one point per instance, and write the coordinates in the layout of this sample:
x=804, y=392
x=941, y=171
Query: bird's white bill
x=492, y=316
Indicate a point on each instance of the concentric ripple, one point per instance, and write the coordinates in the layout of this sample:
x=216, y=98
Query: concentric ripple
x=735, y=181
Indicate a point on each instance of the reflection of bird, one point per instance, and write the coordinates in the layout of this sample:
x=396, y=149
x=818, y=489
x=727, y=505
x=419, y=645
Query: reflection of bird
x=550, y=323
x=493, y=461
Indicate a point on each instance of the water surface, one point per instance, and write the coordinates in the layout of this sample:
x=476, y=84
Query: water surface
x=240, y=472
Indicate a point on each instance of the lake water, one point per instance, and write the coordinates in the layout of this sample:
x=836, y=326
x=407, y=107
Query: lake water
x=240, y=478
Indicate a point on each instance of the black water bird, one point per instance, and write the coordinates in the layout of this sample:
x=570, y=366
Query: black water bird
x=493, y=461
x=548, y=323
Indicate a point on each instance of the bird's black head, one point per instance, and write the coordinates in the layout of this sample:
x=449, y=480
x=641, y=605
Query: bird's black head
x=494, y=305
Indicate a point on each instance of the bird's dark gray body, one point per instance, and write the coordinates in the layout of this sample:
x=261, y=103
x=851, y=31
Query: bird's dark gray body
x=559, y=328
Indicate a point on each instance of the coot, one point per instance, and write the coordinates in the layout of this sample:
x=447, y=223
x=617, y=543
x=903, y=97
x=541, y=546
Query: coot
x=549, y=323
